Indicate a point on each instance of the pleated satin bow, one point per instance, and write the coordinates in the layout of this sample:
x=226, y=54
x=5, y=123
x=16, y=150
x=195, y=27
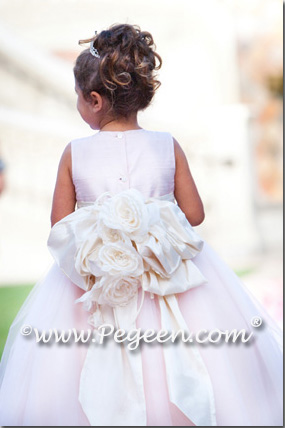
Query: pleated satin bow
x=110, y=248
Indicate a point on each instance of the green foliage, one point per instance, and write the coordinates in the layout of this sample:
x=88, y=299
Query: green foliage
x=244, y=272
x=11, y=299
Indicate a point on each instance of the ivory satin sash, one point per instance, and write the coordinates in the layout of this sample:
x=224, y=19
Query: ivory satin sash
x=111, y=384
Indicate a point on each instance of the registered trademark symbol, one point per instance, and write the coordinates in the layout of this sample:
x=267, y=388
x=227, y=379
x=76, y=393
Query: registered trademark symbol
x=256, y=321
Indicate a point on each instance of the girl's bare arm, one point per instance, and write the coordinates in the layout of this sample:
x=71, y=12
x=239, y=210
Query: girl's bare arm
x=64, y=198
x=186, y=193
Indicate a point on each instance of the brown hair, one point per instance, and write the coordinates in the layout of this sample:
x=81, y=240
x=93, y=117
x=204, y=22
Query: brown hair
x=125, y=71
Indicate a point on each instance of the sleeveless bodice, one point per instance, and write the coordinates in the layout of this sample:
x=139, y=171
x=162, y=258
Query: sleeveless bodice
x=115, y=161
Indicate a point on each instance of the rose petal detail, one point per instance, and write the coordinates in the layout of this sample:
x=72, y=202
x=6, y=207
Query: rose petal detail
x=118, y=291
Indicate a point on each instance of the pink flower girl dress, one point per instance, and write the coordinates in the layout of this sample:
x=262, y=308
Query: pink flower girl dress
x=129, y=259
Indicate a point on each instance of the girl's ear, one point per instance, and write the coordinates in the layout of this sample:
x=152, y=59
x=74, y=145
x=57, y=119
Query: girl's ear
x=96, y=101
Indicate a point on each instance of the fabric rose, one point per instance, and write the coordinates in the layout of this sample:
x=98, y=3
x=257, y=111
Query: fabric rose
x=111, y=235
x=128, y=212
x=118, y=291
x=98, y=259
x=116, y=259
x=111, y=290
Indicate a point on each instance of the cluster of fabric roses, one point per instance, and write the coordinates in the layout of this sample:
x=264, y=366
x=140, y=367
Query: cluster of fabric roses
x=133, y=242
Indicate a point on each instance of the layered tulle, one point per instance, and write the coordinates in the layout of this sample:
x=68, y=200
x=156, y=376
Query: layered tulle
x=58, y=384
x=40, y=383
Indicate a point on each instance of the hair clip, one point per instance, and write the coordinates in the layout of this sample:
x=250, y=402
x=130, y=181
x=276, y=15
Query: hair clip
x=93, y=50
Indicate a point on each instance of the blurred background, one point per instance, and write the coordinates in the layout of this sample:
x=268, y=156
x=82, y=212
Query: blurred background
x=221, y=97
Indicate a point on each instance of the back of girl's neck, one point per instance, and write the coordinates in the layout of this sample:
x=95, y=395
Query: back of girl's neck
x=120, y=125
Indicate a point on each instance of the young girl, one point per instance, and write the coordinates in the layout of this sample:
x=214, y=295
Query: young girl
x=130, y=260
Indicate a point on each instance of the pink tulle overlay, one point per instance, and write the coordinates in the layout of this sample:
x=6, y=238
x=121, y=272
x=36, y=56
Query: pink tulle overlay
x=40, y=382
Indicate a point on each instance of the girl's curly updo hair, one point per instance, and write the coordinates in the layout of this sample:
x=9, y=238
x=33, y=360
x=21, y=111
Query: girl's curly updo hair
x=124, y=72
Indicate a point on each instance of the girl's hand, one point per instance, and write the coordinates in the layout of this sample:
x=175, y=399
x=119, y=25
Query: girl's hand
x=185, y=190
x=64, y=197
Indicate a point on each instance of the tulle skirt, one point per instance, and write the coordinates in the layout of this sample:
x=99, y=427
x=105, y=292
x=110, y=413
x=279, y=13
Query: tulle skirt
x=40, y=382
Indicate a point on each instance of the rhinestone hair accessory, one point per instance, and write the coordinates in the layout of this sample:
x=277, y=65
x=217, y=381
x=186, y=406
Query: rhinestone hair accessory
x=93, y=50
